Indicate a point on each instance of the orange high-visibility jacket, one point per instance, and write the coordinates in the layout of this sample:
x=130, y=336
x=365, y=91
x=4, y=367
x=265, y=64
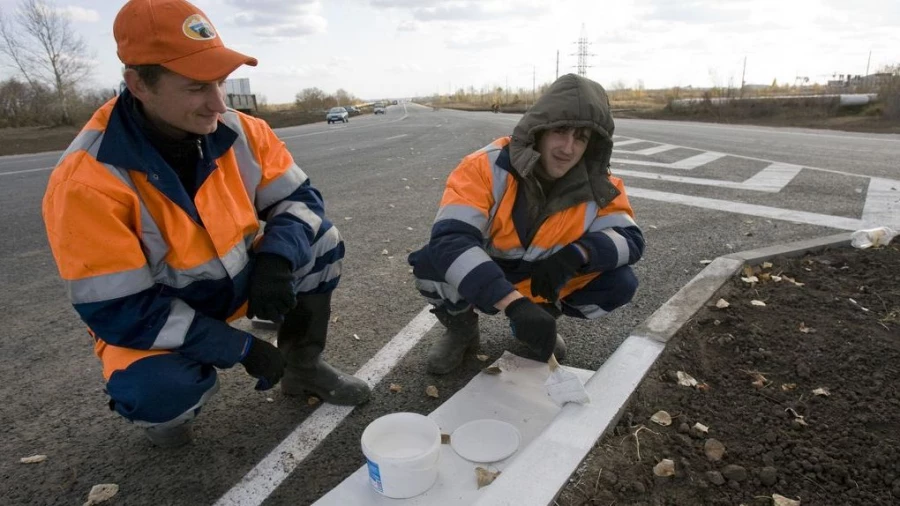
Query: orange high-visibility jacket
x=484, y=244
x=149, y=269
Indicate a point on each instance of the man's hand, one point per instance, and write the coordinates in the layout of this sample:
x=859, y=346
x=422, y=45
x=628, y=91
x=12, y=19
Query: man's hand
x=550, y=274
x=533, y=326
x=264, y=362
x=271, y=288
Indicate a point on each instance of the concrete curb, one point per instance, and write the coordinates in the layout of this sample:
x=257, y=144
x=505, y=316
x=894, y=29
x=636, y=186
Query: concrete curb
x=539, y=473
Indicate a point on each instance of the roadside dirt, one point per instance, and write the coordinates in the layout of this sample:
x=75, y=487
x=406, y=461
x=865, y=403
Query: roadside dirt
x=803, y=395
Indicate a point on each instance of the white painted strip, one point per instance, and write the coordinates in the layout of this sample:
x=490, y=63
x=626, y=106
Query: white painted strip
x=697, y=160
x=718, y=183
x=25, y=171
x=662, y=148
x=263, y=479
x=396, y=137
x=773, y=178
x=617, y=144
x=882, y=206
x=562, y=446
x=822, y=220
x=640, y=162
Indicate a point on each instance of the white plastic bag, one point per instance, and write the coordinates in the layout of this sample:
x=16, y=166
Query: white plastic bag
x=868, y=238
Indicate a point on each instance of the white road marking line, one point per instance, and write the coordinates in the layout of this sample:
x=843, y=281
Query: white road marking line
x=882, y=203
x=697, y=160
x=773, y=178
x=662, y=148
x=616, y=143
x=396, y=137
x=718, y=183
x=822, y=220
x=778, y=131
x=263, y=479
x=25, y=171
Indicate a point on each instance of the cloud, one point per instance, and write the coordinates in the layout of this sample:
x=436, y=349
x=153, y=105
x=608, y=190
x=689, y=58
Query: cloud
x=477, y=40
x=280, y=19
x=79, y=14
x=464, y=10
x=408, y=26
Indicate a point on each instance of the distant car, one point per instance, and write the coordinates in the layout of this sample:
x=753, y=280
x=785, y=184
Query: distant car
x=395, y=102
x=336, y=114
x=352, y=110
x=379, y=108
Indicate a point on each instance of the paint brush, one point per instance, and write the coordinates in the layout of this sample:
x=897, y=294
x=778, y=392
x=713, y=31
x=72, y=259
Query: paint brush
x=564, y=386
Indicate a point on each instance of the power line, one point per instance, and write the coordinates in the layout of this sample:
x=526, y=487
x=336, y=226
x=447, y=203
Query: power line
x=583, y=52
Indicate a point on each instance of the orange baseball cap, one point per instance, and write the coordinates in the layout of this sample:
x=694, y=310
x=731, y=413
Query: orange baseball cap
x=176, y=35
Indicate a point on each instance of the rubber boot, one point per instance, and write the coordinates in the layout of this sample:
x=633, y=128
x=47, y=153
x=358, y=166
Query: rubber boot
x=171, y=437
x=301, y=338
x=461, y=334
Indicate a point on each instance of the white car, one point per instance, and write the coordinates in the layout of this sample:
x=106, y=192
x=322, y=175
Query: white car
x=378, y=108
x=336, y=114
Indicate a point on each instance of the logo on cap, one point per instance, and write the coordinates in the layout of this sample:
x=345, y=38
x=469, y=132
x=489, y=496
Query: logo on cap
x=198, y=28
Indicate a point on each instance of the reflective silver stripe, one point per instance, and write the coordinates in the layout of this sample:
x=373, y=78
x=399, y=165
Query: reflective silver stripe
x=109, y=286
x=326, y=243
x=465, y=214
x=175, y=329
x=86, y=140
x=498, y=186
x=312, y=281
x=444, y=290
x=622, y=220
x=236, y=259
x=464, y=264
x=621, y=247
x=590, y=311
x=251, y=172
x=535, y=253
x=590, y=214
x=511, y=254
x=300, y=210
x=281, y=187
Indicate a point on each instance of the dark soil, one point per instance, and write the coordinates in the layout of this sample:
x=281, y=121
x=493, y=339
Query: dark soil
x=779, y=436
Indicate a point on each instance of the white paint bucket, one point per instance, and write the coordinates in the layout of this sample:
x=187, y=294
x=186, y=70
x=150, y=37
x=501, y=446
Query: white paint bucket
x=402, y=451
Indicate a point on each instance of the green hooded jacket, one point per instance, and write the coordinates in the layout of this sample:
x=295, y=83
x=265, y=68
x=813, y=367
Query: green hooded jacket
x=571, y=101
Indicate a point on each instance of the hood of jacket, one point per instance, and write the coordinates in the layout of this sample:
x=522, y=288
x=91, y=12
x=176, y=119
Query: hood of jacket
x=571, y=101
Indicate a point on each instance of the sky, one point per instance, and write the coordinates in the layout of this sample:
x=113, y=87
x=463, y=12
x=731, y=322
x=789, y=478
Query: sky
x=403, y=48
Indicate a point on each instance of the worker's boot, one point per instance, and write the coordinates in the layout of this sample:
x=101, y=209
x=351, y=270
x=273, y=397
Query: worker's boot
x=301, y=338
x=171, y=437
x=460, y=335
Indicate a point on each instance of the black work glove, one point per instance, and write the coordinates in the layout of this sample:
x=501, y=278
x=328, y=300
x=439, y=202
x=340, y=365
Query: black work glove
x=271, y=288
x=533, y=326
x=264, y=362
x=549, y=275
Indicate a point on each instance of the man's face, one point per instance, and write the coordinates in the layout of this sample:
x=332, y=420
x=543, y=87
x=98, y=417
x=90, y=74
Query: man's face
x=179, y=103
x=561, y=149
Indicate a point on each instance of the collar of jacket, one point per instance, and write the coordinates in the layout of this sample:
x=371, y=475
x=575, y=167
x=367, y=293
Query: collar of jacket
x=125, y=145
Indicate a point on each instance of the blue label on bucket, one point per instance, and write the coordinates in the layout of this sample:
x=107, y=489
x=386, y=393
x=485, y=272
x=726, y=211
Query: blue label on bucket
x=375, y=476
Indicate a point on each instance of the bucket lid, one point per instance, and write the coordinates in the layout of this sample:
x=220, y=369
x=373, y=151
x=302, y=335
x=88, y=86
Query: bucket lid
x=485, y=440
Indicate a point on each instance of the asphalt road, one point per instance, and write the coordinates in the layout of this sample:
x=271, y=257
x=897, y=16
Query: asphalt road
x=382, y=178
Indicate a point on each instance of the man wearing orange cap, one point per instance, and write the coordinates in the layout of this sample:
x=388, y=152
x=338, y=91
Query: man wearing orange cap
x=153, y=216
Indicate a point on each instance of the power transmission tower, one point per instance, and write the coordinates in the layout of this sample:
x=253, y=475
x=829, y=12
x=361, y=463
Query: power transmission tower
x=583, y=52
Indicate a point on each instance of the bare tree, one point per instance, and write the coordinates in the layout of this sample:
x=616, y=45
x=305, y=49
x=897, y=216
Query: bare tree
x=39, y=42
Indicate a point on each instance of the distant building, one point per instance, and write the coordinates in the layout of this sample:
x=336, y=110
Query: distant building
x=870, y=81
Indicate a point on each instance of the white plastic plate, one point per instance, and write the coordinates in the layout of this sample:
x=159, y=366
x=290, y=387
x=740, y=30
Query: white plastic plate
x=485, y=440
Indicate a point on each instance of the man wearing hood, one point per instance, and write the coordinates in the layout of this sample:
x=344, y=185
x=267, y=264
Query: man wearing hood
x=533, y=225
